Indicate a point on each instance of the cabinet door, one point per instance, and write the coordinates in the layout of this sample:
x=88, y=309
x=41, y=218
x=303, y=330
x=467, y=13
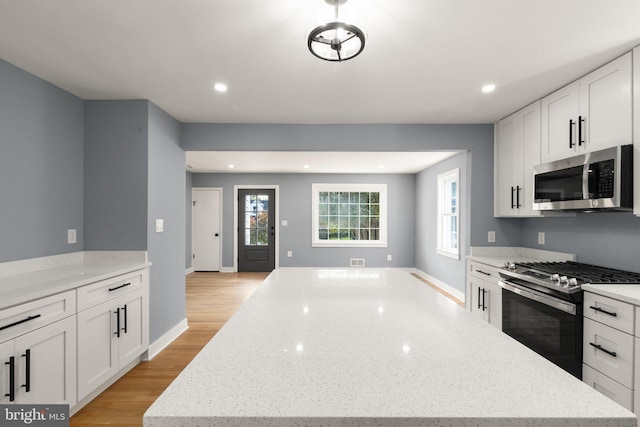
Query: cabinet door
x=605, y=106
x=480, y=299
x=6, y=353
x=495, y=304
x=507, y=153
x=559, y=116
x=530, y=156
x=97, y=346
x=46, y=363
x=134, y=335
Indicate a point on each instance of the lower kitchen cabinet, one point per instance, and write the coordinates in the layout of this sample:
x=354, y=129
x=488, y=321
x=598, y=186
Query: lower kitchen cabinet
x=40, y=366
x=485, y=293
x=111, y=334
x=610, y=351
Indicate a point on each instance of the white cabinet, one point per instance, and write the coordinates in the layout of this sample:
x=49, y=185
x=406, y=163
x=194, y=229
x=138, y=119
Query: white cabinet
x=485, y=295
x=517, y=150
x=112, y=328
x=636, y=130
x=39, y=356
x=590, y=114
x=609, y=348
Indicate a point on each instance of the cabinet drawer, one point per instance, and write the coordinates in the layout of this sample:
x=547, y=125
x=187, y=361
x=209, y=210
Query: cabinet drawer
x=27, y=317
x=484, y=271
x=610, y=388
x=99, y=292
x=617, y=314
x=614, y=357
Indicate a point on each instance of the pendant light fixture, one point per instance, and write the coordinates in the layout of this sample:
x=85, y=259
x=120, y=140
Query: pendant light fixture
x=336, y=41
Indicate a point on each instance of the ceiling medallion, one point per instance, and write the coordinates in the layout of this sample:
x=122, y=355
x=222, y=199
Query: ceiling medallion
x=336, y=41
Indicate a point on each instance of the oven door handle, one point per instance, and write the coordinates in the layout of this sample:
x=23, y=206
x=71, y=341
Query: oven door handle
x=567, y=307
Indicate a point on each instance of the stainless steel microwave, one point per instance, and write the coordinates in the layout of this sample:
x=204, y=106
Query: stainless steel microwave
x=591, y=181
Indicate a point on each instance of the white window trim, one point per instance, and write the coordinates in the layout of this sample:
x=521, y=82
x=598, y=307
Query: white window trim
x=380, y=188
x=451, y=175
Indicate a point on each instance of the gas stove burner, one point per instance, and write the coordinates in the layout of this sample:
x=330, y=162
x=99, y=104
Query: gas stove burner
x=583, y=273
x=565, y=277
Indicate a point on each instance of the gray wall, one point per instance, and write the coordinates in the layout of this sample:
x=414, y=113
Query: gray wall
x=116, y=175
x=166, y=195
x=607, y=239
x=188, y=199
x=477, y=139
x=448, y=270
x=41, y=167
x=295, y=207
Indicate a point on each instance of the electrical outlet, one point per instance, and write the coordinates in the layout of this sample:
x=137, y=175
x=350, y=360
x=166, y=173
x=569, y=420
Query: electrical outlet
x=71, y=236
x=389, y=257
x=284, y=223
x=491, y=236
x=289, y=254
x=159, y=225
x=541, y=237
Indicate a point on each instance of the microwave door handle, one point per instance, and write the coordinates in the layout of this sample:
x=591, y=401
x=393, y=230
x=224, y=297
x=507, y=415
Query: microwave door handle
x=586, y=190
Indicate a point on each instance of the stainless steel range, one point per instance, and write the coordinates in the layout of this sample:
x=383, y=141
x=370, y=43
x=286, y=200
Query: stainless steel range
x=542, y=306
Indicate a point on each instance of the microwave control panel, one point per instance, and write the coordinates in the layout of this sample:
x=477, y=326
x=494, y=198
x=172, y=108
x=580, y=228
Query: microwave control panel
x=601, y=179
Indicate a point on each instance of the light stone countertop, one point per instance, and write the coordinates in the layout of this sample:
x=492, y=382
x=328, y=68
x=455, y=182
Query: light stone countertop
x=627, y=293
x=370, y=347
x=497, y=256
x=28, y=286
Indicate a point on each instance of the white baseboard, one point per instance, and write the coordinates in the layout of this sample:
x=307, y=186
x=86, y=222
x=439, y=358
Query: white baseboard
x=189, y=271
x=447, y=288
x=158, y=345
x=227, y=270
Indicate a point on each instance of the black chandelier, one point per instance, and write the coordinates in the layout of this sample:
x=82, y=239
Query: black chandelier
x=336, y=41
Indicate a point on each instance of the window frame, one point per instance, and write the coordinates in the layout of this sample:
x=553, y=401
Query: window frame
x=317, y=188
x=444, y=210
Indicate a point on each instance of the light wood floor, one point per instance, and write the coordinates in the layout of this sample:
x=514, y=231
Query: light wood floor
x=212, y=298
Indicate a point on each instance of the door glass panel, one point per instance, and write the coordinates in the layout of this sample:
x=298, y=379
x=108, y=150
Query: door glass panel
x=256, y=220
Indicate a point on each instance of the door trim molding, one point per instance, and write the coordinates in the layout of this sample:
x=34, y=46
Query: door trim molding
x=276, y=188
x=220, y=224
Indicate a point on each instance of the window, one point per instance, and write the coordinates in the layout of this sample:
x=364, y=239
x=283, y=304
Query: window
x=351, y=215
x=448, y=208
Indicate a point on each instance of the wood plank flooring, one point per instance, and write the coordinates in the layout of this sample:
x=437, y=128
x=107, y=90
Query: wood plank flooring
x=211, y=299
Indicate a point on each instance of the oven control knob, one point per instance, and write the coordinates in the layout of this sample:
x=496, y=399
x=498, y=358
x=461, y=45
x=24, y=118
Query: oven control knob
x=555, y=277
x=564, y=281
x=573, y=282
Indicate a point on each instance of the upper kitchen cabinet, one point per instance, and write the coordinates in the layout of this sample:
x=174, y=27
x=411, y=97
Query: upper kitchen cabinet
x=517, y=150
x=636, y=132
x=590, y=114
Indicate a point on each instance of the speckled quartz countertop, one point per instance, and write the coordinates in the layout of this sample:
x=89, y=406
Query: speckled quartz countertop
x=367, y=347
x=627, y=293
x=496, y=257
x=31, y=285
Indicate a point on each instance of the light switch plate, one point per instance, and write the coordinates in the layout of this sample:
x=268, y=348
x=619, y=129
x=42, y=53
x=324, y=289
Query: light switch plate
x=289, y=254
x=71, y=236
x=285, y=223
x=491, y=236
x=541, y=237
x=159, y=225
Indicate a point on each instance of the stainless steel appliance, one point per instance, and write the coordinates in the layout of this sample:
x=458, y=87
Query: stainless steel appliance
x=601, y=180
x=542, y=306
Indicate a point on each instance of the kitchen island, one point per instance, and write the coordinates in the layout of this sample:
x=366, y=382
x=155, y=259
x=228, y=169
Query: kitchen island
x=374, y=347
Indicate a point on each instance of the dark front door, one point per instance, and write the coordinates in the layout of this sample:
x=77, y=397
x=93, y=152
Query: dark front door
x=256, y=230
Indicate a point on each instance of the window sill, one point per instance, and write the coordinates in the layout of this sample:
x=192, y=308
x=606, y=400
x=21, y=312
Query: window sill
x=349, y=244
x=453, y=255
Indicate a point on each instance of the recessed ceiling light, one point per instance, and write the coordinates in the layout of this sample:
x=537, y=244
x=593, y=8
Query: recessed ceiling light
x=220, y=87
x=488, y=88
x=231, y=166
x=306, y=166
x=380, y=166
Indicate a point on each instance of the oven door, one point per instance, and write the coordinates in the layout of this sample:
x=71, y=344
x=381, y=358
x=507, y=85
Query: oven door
x=549, y=326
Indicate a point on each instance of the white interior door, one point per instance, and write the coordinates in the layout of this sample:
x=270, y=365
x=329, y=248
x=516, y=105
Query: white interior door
x=206, y=239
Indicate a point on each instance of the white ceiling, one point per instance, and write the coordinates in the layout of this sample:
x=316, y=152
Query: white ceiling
x=425, y=60
x=316, y=162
